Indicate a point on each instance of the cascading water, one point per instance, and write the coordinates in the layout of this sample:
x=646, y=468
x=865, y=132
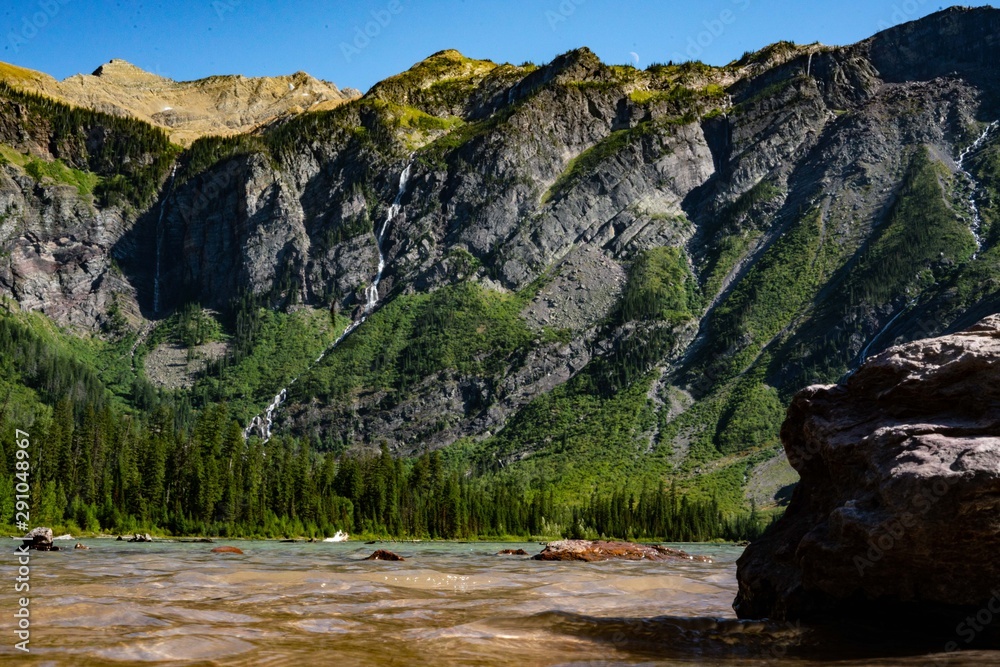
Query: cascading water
x=977, y=221
x=159, y=224
x=262, y=423
x=372, y=291
x=864, y=352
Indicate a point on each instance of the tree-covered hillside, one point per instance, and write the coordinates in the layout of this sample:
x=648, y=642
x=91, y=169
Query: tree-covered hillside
x=488, y=299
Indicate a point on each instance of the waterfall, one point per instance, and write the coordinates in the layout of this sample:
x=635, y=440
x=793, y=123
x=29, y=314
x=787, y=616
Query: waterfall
x=262, y=423
x=372, y=291
x=159, y=223
x=977, y=221
x=864, y=353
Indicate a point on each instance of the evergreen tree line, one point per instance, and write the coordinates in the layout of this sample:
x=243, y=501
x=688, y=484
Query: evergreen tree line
x=105, y=470
x=132, y=157
x=98, y=464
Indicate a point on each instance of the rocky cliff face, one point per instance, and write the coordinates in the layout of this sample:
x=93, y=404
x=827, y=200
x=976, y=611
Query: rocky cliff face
x=898, y=503
x=826, y=202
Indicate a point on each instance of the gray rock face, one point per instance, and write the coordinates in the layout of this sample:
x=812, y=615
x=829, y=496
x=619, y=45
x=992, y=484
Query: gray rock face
x=58, y=251
x=899, y=499
x=564, y=172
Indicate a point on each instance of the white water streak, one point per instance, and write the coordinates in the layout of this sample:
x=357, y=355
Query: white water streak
x=977, y=221
x=159, y=224
x=261, y=424
x=864, y=352
x=372, y=291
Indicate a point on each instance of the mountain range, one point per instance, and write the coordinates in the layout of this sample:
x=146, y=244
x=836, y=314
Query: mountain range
x=584, y=275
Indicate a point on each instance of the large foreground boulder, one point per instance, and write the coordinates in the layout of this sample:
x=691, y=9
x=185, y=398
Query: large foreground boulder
x=897, y=514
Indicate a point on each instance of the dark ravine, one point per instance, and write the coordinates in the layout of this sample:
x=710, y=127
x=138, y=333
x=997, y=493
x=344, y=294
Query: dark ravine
x=896, y=513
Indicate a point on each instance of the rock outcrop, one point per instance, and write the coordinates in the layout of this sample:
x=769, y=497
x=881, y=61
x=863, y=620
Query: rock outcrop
x=39, y=539
x=592, y=551
x=898, y=508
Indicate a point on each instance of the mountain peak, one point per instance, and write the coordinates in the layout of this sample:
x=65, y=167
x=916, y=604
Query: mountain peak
x=121, y=71
x=447, y=54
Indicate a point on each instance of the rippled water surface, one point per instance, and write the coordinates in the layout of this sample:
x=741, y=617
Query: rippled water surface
x=447, y=604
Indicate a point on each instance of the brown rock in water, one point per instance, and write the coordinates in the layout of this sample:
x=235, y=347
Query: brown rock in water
x=226, y=550
x=382, y=554
x=897, y=514
x=600, y=550
x=512, y=552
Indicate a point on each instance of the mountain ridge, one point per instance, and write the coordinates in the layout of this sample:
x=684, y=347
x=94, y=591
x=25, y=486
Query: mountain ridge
x=214, y=105
x=596, y=276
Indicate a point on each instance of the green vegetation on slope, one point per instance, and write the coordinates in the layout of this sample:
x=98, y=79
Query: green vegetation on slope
x=99, y=466
x=775, y=290
x=267, y=352
x=131, y=157
x=54, y=171
x=738, y=225
x=660, y=287
x=462, y=327
x=923, y=234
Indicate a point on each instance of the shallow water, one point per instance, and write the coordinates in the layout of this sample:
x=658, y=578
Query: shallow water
x=447, y=604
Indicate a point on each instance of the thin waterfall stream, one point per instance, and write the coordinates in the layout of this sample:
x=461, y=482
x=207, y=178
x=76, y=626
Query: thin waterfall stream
x=261, y=424
x=976, y=226
x=977, y=221
x=159, y=234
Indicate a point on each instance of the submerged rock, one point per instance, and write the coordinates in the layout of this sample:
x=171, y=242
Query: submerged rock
x=599, y=550
x=382, y=554
x=897, y=514
x=39, y=539
x=226, y=550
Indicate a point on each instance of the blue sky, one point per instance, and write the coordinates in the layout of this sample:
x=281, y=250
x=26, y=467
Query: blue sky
x=359, y=43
